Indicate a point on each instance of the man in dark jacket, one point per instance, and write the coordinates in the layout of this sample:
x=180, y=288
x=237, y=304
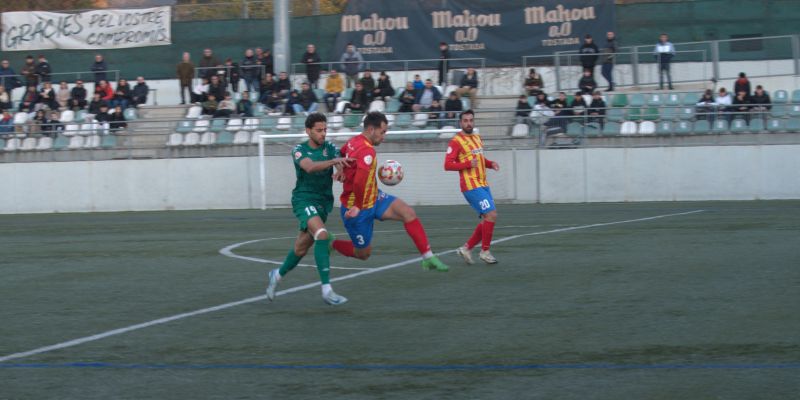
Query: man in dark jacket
x=408, y=97
x=311, y=60
x=426, y=97
x=608, y=59
x=185, y=72
x=358, y=100
x=43, y=69
x=77, y=98
x=208, y=64
x=216, y=88
x=99, y=67
x=306, y=100
x=140, y=92
x=587, y=84
x=8, y=78
x=28, y=71
x=469, y=87
x=589, y=53
x=250, y=71
x=444, y=56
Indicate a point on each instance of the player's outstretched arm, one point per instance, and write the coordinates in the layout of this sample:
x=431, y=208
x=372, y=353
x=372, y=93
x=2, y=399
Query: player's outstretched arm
x=315, y=166
x=451, y=162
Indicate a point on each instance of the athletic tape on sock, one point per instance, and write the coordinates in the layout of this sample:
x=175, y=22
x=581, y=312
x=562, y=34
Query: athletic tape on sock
x=318, y=232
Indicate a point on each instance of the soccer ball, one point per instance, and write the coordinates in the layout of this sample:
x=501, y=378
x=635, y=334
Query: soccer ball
x=390, y=173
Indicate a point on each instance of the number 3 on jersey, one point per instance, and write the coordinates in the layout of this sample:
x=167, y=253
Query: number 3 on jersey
x=360, y=239
x=311, y=210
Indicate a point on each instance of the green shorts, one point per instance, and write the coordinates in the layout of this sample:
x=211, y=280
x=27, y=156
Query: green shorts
x=305, y=210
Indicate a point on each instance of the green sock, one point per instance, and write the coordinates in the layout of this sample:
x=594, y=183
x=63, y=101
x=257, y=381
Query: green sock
x=323, y=256
x=290, y=262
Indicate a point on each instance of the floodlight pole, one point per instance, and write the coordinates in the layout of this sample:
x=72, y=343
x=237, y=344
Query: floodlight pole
x=280, y=49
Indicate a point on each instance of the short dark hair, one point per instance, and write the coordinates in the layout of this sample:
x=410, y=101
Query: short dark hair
x=313, y=118
x=468, y=111
x=374, y=119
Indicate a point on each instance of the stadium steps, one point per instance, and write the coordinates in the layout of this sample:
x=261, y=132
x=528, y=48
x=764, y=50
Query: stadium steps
x=155, y=123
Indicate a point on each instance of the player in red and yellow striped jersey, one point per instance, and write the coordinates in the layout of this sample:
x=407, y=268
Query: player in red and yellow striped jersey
x=363, y=202
x=465, y=155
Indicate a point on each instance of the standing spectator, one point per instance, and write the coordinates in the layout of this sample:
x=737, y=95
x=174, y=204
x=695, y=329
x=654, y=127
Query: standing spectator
x=409, y=96
x=232, y=74
x=106, y=93
x=334, y=87
x=29, y=99
x=665, y=51
x=368, y=82
x=384, y=90
x=534, y=82
x=589, y=53
x=29, y=72
x=63, y=95
x=597, y=109
x=6, y=123
x=587, y=84
x=226, y=107
x=250, y=71
x=5, y=99
x=444, y=58
x=43, y=69
x=77, y=96
x=453, y=106
x=306, y=100
x=244, y=108
x=200, y=91
x=761, y=102
x=8, y=77
x=185, y=72
x=426, y=97
x=267, y=61
x=741, y=107
x=96, y=104
x=742, y=84
x=47, y=96
x=358, y=100
x=608, y=59
x=117, y=119
x=208, y=64
x=469, y=87
x=707, y=107
x=210, y=105
x=353, y=62
x=216, y=87
x=523, y=110
x=99, y=67
x=140, y=92
x=311, y=60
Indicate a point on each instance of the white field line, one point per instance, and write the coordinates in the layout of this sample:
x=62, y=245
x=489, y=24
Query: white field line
x=119, y=331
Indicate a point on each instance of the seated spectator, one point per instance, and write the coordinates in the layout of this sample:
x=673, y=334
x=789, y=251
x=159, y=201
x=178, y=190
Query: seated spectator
x=306, y=100
x=408, y=96
x=200, y=91
x=587, y=84
x=358, y=100
x=742, y=85
x=707, y=107
x=534, y=82
x=106, y=93
x=232, y=74
x=34, y=125
x=6, y=123
x=368, y=82
x=740, y=107
x=140, y=92
x=418, y=83
x=29, y=99
x=77, y=99
x=270, y=95
x=96, y=104
x=103, y=116
x=435, y=111
x=333, y=90
x=244, y=108
x=561, y=112
x=226, y=107
x=541, y=98
x=117, y=119
x=469, y=87
x=5, y=99
x=724, y=99
x=47, y=97
x=452, y=107
x=63, y=95
x=216, y=87
x=125, y=87
x=283, y=85
x=210, y=105
x=120, y=100
x=51, y=126
x=597, y=109
x=578, y=106
x=426, y=96
x=384, y=91
x=523, y=110
x=760, y=102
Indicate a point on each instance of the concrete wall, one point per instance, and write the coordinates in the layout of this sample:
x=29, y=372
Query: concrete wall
x=577, y=175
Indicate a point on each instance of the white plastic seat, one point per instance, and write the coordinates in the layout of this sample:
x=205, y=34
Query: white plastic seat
x=75, y=142
x=336, y=122
x=103, y=128
x=255, y=137
x=251, y=124
x=420, y=120
x=92, y=142
x=67, y=116
x=241, y=137
x=45, y=143
x=208, y=139
x=201, y=125
x=28, y=144
x=450, y=88
x=12, y=144
x=341, y=105
x=520, y=130
x=191, y=139
x=377, y=105
x=647, y=128
x=194, y=112
x=389, y=120
x=175, y=139
x=284, y=123
x=87, y=129
x=20, y=118
x=447, y=135
x=627, y=128
x=234, y=125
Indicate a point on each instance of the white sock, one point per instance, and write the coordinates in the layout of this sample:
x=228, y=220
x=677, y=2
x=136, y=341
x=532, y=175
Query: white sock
x=428, y=254
x=326, y=288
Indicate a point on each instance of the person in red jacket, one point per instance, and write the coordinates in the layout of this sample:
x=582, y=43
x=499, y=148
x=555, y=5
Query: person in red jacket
x=105, y=91
x=465, y=155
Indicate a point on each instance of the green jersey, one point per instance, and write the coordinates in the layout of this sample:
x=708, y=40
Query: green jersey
x=315, y=187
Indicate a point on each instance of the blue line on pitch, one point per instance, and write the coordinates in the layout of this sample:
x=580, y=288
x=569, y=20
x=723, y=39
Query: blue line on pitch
x=397, y=367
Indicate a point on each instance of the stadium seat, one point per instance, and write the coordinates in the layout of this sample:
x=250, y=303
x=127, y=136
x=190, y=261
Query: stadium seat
x=299, y=123
x=320, y=93
x=218, y=125
x=403, y=120
x=673, y=99
x=447, y=135
x=668, y=113
x=191, y=139
x=780, y=97
x=2, y=144
x=619, y=100
x=241, y=137
x=793, y=125
x=389, y=120
x=720, y=126
x=284, y=124
x=450, y=88
x=28, y=144
x=67, y=116
x=776, y=125
x=636, y=100
x=347, y=94
x=184, y=126
x=377, y=105
x=175, y=140
x=20, y=118
x=738, y=125
x=352, y=120
x=75, y=142
x=779, y=110
x=194, y=112
x=611, y=128
x=615, y=114
x=80, y=116
x=393, y=106
x=686, y=113
x=757, y=125
x=664, y=128
x=108, y=141
x=520, y=130
x=420, y=120
x=250, y=124
x=208, y=138
x=254, y=137
x=130, y=114
x=44, y=143
x=91, y=142
x=627, y=128
x=796, y=96
x=682, y=128
x=234, y=125
x=267, y=123
x=340, y=106
x=88, y=129
x=691, y=99
x=258, y=110
x=634, y=114
x=71, y=129
x=794, y=110
x=654, y=99
x=701, y=126
x=201, y=125
x=650, y=114
x=61, y=142
x=336, y=121
x=12, y=144
x=465, y=103
x=647, y=128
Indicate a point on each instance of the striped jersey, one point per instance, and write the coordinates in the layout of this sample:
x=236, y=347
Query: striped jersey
x=461, y=150
x=360, y=185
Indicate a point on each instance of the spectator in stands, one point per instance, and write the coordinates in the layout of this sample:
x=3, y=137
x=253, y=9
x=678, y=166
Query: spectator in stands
x=210, y=105
x=103, y=116
x=283, y=85
x=117, y=119
x=761, y=102
x=368, y=82
x=125, y=87
x=578, y=106
x=306, y=101
x=542, y=99
x=707, y=107
x=665, y=51
x=8, y=78
x=106, y=93
x=63, y=95
x=34, y=125
x=269, y=96
x=384, y=90
x=140, y=92
x=250, y=71
x=587, y=84
x=29, y=99
x=469, y=87
x=77, y=96
x=741, y=107
x=589, y=53
x=232, y=74
x=523, y=110
x=742, y=84
x=47, y=97
x=120, y=99
x=5, y=99
x=359, y=100
x=453, y=107
x=200, y=91
x=534, y=82
x=50, y=126
x=244, y=108
x=334, y=87
x=264, y=57
x=311, y=60
x=426, y=96
x=99, y=67
x=444, y=59
x=435, y=112
x=29, y=72
x=418, y=83
x=96, y=104
x=6, y=123
x=409, y=96
x=226, y=107
x=216, y=87
x=597, y=109
x=607, y=69
x=561, y=112
x=185, y=73
x=724, y=102
x=353, y=62
x=43, y=69
x=208, y=64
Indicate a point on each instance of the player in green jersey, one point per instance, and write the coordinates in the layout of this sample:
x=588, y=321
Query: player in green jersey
x=312, y=200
